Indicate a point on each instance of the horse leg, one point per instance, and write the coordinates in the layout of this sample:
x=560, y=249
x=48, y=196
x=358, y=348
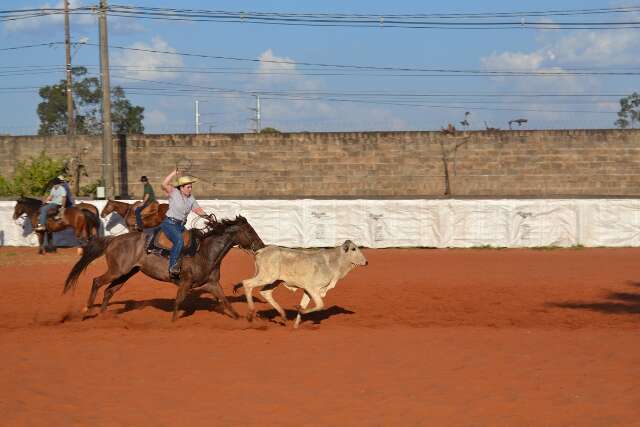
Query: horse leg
x=97, y=283
x=266, y=293
x=183, y=290
x=41, y=248
x=216, y=290
x=50, y=246
x=304, y=302
x=114, y=287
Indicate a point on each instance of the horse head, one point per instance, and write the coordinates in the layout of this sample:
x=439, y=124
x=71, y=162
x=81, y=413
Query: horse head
x=25, y=206
x=243, y=234
x=108, y=208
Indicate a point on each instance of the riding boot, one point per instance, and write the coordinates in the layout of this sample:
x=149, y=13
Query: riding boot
x=60, y=214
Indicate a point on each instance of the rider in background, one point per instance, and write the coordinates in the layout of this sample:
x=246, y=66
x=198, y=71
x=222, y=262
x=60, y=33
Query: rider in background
x=148, y=197
x=69, y=202
x=181, y=202
x=57, y=198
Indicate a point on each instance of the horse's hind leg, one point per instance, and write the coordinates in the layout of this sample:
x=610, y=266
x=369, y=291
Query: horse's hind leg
x=97, y=283
x=114, y=287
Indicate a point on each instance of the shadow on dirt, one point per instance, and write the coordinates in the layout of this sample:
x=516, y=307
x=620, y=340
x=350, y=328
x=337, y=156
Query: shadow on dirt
x=192, y=303
x=617, y=303
x=316, y=317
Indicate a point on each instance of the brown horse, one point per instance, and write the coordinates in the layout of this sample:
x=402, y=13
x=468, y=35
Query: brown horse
x=126, y=254
x=152, y=215
x=85, y=224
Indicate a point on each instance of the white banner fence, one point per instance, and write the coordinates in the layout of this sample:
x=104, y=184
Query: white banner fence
x=404, y=223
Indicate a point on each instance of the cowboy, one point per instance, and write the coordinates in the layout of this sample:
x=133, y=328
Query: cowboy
x=69, y=202
x=56, y=199
x=148, y=197
x=181, y=202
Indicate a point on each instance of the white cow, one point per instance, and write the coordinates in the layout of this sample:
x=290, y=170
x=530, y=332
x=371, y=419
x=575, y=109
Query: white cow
x=315, y=271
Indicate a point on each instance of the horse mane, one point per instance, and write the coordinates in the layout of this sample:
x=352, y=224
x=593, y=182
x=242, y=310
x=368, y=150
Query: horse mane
x=30, y=202
x=218, y=228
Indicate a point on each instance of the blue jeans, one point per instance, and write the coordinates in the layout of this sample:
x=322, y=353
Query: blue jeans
x=138, y=212
x=44, y=210
x=174, y=233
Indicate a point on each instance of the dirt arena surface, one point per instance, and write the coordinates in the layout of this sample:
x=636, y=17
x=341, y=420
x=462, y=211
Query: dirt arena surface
x=477, y=337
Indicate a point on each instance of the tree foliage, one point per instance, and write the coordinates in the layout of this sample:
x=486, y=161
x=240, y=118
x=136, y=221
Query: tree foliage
x=87, y=96
x=629, y=113
x=31, y=176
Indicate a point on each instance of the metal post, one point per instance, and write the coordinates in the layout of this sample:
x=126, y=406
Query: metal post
x=258, y=113
x=71, y=122
x=197, y=118
x=107, y=143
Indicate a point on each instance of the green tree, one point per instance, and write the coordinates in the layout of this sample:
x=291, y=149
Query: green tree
x=269, y=130
x=629, y=113
x=87, y=96
x=127, y=119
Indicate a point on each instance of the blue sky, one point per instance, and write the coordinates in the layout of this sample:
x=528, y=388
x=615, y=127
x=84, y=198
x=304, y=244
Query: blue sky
x=314, y=98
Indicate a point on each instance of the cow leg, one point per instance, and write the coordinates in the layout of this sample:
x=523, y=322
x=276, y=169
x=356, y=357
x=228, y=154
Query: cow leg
x=317, y=300
x=267, y=292
x=304, y=302
x=248, y=286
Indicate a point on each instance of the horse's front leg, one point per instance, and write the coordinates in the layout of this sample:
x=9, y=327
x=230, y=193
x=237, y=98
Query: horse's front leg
x=41, y=248
x=183, y=290
x=50, y=246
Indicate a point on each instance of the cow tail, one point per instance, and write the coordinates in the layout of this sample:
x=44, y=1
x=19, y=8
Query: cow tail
x=92, y=251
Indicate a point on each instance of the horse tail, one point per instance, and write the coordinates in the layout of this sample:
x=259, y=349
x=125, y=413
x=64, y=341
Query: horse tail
x=92, y=251
x=92, y=223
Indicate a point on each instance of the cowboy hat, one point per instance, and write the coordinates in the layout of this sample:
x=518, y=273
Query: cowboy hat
x=184, y=180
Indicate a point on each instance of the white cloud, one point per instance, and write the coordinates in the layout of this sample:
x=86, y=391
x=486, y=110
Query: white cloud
x=270, y=63
x=154, y=118
x=148, y=65
x=40, y=23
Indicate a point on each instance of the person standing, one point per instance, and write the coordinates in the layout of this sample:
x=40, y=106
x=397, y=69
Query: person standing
x=181, y=202
x=148, y=197
x=57, y=198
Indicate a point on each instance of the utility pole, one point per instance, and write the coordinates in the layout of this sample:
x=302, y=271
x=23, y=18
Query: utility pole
x=107, y=144
x=197, y=118
x=71, y=121
x=257, y=111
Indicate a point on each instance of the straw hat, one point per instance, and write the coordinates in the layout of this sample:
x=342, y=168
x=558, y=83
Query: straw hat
x=184, y=180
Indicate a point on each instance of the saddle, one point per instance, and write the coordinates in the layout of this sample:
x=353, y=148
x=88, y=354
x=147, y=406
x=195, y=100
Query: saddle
x=150, y=210
x=160, y=244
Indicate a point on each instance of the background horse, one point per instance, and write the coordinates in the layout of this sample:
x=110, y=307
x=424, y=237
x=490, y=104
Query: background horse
x=150, y=219
x=126, y=254
x=85, y=224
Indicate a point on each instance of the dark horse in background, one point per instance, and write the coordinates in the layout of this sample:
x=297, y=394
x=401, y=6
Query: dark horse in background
x=82, y=217
x=127, y=254
x=151, y=216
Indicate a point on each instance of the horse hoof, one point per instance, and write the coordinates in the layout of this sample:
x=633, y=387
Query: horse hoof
x=250, y=316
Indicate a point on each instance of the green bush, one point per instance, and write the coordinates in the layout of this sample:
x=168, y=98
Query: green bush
x=31, y=176
x=90, y=189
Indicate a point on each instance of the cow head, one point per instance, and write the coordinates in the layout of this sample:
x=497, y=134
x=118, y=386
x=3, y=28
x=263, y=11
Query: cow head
x=353, y=254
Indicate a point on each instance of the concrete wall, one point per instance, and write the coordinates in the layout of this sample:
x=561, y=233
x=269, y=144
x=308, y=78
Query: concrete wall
x=366, y=164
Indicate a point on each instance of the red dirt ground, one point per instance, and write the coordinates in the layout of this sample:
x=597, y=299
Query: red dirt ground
x=419, y=337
